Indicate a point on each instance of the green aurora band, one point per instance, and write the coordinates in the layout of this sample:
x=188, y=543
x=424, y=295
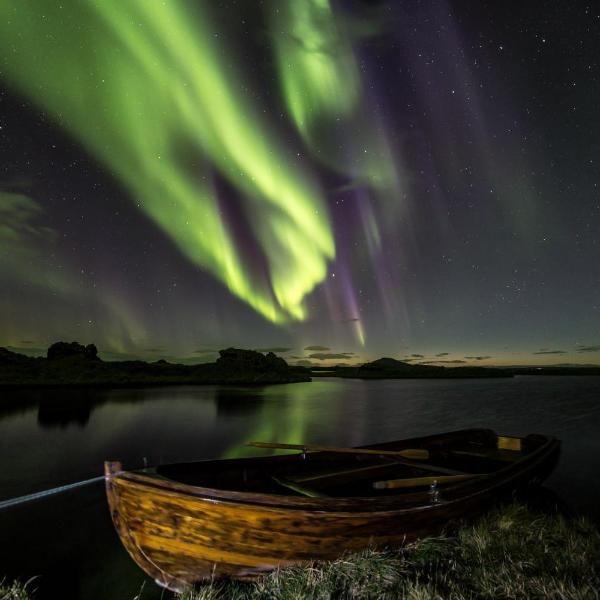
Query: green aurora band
x=318, y=72
x=323, y=93
x=144, y=85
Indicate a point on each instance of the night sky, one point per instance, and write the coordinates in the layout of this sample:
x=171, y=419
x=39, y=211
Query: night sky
x=337, y=181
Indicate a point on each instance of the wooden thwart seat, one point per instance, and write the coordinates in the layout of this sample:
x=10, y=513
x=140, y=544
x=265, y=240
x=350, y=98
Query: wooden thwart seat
x=412, y=482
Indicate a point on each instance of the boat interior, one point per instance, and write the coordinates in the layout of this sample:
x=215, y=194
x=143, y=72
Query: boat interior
x=405, y=467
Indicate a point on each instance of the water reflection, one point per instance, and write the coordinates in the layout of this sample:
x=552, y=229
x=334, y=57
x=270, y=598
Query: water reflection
x=238, y=402
x=52, y=437
x=285, y=415
x=63, y=414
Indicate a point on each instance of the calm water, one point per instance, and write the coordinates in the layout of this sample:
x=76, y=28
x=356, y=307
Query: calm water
x=52, y=438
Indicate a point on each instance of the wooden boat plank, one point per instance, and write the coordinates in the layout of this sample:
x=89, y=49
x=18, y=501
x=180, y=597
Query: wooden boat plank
x=269, y=537
x=180, y=533
x=269, y=500
x=229, y=523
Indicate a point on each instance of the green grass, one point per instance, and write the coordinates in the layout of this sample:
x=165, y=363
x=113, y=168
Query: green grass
x=509, y=553
x=15, y=590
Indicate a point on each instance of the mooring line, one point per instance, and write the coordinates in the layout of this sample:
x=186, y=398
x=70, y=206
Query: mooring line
x=56, y=490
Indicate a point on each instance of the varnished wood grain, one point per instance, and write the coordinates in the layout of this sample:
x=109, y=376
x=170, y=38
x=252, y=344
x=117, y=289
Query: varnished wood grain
x=180, y=533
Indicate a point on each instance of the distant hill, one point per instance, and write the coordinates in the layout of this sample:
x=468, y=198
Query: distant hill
x=573, y=369
x=387, y=364
x=68, y=364
x=390, y=368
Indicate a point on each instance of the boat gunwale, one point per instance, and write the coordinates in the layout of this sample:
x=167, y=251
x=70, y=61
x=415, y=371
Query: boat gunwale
x=392, y=503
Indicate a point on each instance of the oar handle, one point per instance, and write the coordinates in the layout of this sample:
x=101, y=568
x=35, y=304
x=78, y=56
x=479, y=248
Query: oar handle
x=414, y=453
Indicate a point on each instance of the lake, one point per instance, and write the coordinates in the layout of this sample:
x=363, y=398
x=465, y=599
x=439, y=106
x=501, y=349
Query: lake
x=53, y=437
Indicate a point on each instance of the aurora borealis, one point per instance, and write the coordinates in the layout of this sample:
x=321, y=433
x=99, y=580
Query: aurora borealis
x=411, y=179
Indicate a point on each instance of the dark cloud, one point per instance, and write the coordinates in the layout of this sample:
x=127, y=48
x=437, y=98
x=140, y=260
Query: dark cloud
x=551, y=352
x=274, y=349
x=28, y=350
x=418, y=355
x=154, y=350
x=305, y=363
x=477, y=357
x=446, y=362
x=327, y=356
x=443, y=354
x=26, y=342
x=317, y=348
x=588, y=349
x=110, y=355
x=206, y=351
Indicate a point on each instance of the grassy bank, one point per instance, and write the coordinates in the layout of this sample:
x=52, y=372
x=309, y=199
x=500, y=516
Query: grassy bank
x=14, y=590
x=509, y=553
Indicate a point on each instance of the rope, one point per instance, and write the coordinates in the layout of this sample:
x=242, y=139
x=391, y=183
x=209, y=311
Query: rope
x=45, y=493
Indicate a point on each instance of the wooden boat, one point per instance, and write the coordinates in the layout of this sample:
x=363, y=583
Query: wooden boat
x=184, y=523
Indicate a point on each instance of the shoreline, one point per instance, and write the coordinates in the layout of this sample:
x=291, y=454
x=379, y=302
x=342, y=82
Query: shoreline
x=74, y=366
x=142, y=384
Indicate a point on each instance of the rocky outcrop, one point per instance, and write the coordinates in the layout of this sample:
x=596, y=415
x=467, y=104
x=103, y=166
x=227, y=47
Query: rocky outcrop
x=7, y=357
x=60, y=350
x=236, y=359
x=74, y=364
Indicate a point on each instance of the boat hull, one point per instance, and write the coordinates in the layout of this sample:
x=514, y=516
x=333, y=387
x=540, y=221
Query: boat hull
x=181, y=535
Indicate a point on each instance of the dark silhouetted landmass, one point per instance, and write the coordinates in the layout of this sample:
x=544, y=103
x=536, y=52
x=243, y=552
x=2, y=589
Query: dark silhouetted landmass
x=70, y=364
x=390, y=368
x=61, y=350
x=557, y=370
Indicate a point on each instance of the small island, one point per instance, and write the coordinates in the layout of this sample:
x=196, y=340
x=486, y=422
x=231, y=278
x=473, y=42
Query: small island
x=72, y=364
x=390, y=368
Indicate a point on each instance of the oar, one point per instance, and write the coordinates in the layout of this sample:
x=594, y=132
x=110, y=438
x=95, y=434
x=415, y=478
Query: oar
x=391, y=484
x=413, y=453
